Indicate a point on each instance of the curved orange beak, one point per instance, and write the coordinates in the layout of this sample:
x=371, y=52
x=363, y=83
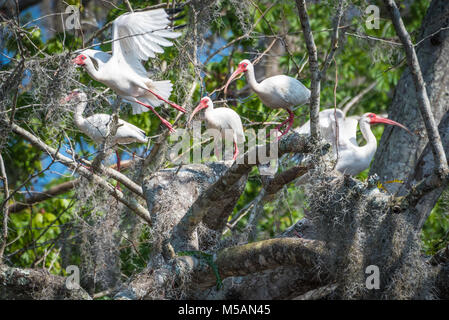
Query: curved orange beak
x=200, y=106
x=379, y=119
x=240, y=69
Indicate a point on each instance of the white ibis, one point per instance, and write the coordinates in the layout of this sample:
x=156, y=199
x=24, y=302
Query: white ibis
x=97, y=126
x=222, y=119
x=136, y=37
x=352, y=158
x=275, y=92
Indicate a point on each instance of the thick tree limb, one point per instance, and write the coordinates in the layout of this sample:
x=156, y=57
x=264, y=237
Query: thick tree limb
x=315, y=86
x=423, y=99
x=259, y=256
x=129, y=202
x=305, y=256
x=423, y=188
x=184, y=229
x=276, y=284
x=318, y=293
x=35, y=284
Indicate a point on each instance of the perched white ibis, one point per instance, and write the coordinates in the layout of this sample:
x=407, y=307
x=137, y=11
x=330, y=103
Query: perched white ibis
x=136, y=37
x=222, y=119
x=352, y=158
x=97, y=126
x=275, y=92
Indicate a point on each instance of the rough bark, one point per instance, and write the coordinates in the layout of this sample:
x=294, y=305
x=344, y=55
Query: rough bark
x=398, y=152
x=170, y=193
x=17, y=284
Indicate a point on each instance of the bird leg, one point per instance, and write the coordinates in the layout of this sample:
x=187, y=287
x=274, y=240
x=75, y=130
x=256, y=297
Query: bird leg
x=290, y=119
x=165, y=122
x=217, y=154
x=174, y=105
x=236, y=151
x=283, y=123
x=118, y=160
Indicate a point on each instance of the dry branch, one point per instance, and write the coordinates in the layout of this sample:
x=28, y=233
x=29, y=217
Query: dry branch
x=421, y=92
x=315, y=86
x=36, y=284
x=183, y=231
x=129, y=202
x=262, y=255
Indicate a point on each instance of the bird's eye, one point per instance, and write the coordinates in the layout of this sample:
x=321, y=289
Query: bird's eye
x=83, y=57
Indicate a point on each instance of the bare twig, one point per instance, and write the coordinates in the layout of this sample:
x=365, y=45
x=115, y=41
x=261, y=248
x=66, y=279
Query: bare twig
x=130, y=9
x=334, y=37
x=358, y=97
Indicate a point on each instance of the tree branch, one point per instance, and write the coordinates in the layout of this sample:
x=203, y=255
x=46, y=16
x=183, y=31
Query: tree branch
x=183, y=231
x=36, y=284
x=315, y=86
x=262, y=255
x=55, y=191
x=4, y=235
x=130, y=202
x=421, y=92
x=334, y=37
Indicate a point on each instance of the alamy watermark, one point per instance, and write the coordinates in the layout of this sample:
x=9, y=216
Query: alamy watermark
x=373, y=280
x=73, y=20
x=72, y=282
x=373, y=12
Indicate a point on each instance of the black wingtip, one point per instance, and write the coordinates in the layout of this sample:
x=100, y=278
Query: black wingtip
x=172, y=18
x=179, y=27
x=175, y=10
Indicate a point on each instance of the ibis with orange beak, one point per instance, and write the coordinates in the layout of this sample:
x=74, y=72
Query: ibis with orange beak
x=97, y=126
x=352, y=158
x=136, y=37
x=222, y=119
x=275, y=92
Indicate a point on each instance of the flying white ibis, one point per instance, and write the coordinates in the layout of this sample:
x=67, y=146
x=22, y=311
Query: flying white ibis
x=136, y=37
x=222, y=119
x=352, y=158
x=97, y=126
x=275, y=92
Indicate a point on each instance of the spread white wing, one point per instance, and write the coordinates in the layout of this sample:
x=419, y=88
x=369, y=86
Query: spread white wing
x=140, y=35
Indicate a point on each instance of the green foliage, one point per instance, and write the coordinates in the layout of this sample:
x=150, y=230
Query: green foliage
x=359, y=62
x=435, y=233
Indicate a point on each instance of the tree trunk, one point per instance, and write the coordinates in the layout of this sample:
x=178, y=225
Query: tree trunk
x=399, y=152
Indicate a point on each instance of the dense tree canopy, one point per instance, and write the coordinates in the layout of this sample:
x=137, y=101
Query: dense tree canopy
x=214, y=229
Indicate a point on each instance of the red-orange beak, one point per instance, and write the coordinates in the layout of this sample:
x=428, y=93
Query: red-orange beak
x=201, y=105
x=379, y=119
x=78, y=61
x=240, y=69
